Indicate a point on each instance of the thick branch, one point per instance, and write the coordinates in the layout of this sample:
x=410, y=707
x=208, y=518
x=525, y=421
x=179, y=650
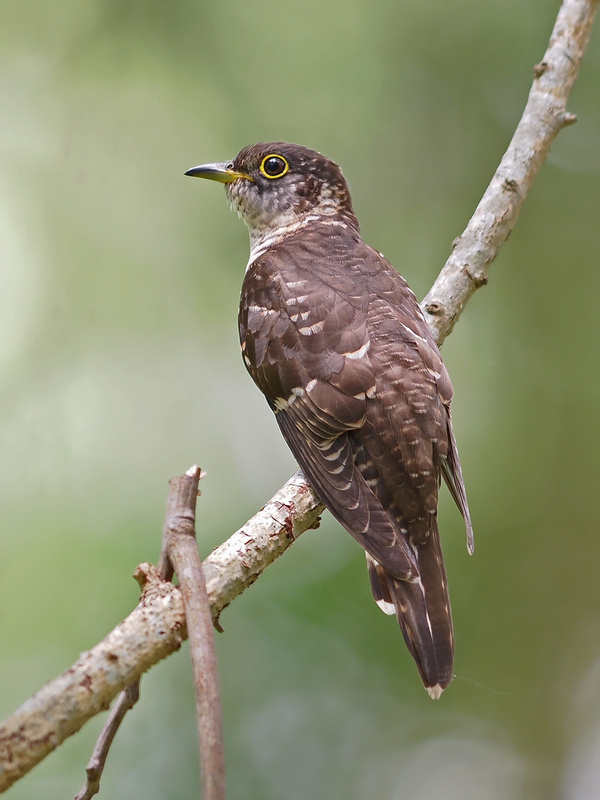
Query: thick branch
x=494, y=218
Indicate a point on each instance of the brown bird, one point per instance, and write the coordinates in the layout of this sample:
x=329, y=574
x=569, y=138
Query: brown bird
x=336, y=341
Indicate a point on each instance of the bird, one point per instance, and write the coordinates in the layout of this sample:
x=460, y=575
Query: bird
x=336, y=341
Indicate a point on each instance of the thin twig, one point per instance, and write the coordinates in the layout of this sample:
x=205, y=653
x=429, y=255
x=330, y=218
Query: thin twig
x=179, y=543
x=126, y=700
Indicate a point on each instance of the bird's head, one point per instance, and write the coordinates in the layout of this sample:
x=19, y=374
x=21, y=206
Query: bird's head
x=278, y=187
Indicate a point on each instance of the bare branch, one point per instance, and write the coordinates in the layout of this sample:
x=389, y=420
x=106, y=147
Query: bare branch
x=494, y=218
x=125, y=702
x=179, y=541
x=154, y=630
x=237, y=563
x=179, y=549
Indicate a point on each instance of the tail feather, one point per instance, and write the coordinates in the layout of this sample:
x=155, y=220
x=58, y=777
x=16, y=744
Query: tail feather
x=452, y=472
x=422, y=607
x=379, y=586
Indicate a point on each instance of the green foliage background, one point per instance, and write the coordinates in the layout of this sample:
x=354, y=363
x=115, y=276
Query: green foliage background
x=119, y=368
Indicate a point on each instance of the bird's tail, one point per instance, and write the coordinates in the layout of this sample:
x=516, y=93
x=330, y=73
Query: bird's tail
x=422, y=607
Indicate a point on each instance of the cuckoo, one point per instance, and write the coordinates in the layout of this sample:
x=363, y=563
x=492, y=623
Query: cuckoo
x=336, y=341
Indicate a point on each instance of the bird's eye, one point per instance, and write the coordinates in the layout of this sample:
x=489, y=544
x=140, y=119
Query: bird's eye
x=274, y=166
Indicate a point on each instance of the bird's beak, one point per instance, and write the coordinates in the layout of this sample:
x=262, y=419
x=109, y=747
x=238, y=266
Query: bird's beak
x=222, y=172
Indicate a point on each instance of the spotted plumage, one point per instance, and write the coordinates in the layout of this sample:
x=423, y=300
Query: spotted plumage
x=337, y=343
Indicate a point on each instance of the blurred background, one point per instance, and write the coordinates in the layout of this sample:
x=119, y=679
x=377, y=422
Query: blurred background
x=119, y=367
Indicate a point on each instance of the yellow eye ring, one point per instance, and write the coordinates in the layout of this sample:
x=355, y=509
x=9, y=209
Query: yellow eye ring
x=274, y=166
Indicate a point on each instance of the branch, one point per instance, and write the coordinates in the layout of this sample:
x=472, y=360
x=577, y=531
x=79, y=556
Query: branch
x=179, y=553
x=156, y=628
x=494, y=218
x=181, y=550
x=95, y=766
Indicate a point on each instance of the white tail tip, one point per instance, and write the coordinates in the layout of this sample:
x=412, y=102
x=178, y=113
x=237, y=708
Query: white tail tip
x=435, y=692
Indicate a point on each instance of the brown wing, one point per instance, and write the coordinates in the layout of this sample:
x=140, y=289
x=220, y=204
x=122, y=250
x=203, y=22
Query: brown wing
x=302, y=343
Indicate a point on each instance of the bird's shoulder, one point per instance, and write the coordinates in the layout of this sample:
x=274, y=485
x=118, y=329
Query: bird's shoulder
x=325, y=275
